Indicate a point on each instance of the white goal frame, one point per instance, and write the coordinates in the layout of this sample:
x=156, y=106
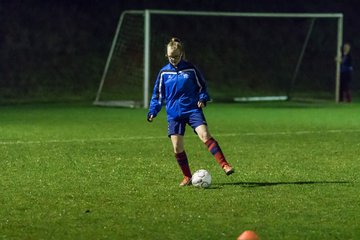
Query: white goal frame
x=147, y=25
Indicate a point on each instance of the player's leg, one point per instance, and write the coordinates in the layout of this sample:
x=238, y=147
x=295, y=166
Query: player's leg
x=349, y=96
x=341, y=93
x=176, y=132
x=182, y=160
x=341, y=90
x=347, y=92
x=198, y=123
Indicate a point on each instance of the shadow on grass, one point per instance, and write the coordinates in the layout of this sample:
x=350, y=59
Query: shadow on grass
x=269, y=184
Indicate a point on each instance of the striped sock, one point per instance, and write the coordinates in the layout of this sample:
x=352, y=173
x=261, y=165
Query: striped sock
x=215, y=150
x=183, y=163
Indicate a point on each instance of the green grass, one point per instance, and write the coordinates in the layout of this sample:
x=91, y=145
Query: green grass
x=83, y=172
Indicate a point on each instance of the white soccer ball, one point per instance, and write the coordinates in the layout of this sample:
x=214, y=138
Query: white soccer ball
x=201, y=178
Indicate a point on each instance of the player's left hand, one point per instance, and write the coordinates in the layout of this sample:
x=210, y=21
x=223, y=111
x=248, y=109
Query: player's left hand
x=201, y=104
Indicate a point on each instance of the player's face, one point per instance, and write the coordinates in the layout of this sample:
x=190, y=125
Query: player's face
x=346, y=48
x=174, y=56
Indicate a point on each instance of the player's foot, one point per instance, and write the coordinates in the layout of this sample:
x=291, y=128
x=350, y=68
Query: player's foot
x=185, y=182
x=228, y=169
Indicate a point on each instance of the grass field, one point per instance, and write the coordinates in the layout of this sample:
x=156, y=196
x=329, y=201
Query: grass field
x=83, y=172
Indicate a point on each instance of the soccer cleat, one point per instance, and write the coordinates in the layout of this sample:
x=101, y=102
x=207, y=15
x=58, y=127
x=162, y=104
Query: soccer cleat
x=185, y=182
x=228, y=169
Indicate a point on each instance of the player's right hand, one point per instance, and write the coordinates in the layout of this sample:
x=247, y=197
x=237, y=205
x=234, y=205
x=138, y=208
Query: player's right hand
x=150, y=117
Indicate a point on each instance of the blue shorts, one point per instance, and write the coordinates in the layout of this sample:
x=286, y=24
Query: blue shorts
x=177, y=127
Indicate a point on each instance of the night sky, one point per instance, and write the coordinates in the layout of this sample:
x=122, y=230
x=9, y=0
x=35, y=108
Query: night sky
x=61, y=40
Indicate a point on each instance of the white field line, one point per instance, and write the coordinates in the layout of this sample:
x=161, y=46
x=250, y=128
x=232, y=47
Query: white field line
x=139, y=138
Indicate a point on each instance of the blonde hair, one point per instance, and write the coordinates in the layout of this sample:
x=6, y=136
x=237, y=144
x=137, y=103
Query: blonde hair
x=176, y=44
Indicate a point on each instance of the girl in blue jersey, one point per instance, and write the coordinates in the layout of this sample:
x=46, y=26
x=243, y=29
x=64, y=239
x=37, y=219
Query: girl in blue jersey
x=182, y=87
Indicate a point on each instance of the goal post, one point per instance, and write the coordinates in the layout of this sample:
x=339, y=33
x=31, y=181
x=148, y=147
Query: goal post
x=130, y=65
x=116, y=47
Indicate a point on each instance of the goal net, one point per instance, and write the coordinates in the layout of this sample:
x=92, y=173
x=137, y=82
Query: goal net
x=243, y=56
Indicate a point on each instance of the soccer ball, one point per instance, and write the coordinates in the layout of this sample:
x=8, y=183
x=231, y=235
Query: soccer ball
x=201, y=178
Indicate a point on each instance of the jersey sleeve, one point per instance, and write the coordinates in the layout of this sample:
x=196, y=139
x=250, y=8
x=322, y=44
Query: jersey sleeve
x=158, y=97
x=203, y=94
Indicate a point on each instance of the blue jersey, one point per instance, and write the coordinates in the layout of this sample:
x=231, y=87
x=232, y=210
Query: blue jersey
x=346, y=63
x=181, y=88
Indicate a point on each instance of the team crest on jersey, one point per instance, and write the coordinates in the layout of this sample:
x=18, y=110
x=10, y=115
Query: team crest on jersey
x=186, y=76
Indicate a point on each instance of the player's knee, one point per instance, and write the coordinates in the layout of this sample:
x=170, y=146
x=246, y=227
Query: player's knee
x=178, y=148
x=204, y=136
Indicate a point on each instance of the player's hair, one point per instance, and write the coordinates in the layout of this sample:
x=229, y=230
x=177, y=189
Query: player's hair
x=175, y=43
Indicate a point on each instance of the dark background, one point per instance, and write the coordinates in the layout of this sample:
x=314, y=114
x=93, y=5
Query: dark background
x=56, y=50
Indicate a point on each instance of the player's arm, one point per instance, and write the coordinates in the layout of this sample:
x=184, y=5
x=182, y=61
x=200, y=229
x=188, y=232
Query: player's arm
x=203, y=94
x=157, y=99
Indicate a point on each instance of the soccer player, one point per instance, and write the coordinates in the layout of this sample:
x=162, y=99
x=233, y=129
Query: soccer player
x=182, y=87
x=346, y=73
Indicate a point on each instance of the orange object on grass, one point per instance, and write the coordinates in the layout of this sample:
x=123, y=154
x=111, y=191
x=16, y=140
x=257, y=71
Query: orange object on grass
x=248, y=235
